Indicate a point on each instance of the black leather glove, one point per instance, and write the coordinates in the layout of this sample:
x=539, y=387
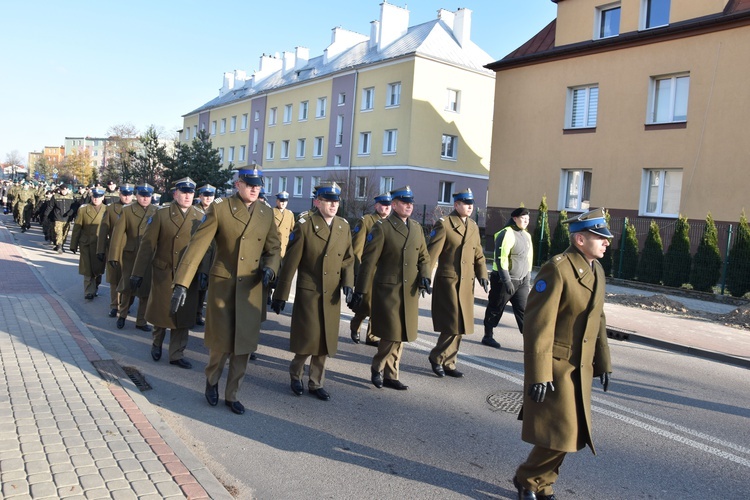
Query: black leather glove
x=135, y=282
x=277, y=305
x=355, y=336
x=509, y=289
x=356, y=301
x=203, y=281
x=424, y=287
x=101, y=257
x=268, y=276
x=485, y=284
x=115, y=264
x=604, y=379
x=538, y=391
x=348, y=293
x=179, y=295
x=73, y=250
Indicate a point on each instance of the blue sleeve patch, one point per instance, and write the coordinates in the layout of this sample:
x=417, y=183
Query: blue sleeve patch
x=369, y=237
x=203, y=219
x=432, y=233
x=356, y=229
x=540, y=286
x=150, y=219
x=291, y=236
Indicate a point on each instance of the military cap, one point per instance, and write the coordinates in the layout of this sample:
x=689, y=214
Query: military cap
x=207, y=190
x=97, y=192
x=384, y=199
x=186, y=185
x=328, y=190
x=404, y=194
x=592, y=221
x=262, y=194
x=465, y=196
x=127, y=189
x=282, y=195
x=520, y=212
x=250, y=176
x=144, y=189
x=155, y=199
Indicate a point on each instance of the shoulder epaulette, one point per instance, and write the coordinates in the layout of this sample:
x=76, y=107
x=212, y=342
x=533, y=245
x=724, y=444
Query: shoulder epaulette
x=301, y=220
x=218, y=200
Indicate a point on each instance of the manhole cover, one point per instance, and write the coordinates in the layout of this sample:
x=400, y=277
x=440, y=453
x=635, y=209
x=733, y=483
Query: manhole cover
x=507, y=401
x=137, y=377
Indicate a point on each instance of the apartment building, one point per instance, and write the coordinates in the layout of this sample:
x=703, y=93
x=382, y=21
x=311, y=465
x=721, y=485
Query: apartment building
x=98, y=148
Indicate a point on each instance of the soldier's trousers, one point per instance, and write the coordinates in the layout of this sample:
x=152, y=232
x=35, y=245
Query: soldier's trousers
x=540, y=470
x=177, y=341
x=317, y=369
x=91, y=284
x=387, y=358
x=237, y=367
x=446, y=350
x=126, y=300
x=357, y=323
x=61, y=232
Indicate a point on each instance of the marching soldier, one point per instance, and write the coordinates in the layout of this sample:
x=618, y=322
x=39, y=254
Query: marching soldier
x=247, y=260
x=126, y=237
x=361, y=230
x=107, y=226
x=25, y=201
x=111, y=194
x=61, y=211
x=320, y=253
x=206, y=196
x=84, y=237
x=284, y=219
x=455, y=248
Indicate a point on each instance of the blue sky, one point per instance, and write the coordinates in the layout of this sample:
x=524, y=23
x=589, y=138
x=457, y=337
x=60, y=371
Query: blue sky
x=79, y=67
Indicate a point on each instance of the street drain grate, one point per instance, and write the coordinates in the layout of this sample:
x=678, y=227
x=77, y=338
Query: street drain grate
x=137, y=377
x=507, y=401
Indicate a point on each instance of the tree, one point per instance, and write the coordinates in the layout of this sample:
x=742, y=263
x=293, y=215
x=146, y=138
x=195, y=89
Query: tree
x=561, y=239
x=122, y=144
x=44, y=169
x=541, y=238
x=358, y=194
x=651, y=263
x=149, y=163
x=678, y=259
x=629, y=253
x=707, y=260
x=199, y=161
x=738, y=270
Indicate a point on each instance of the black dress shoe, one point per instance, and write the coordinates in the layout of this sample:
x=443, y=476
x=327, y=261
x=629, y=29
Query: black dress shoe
x=321, y=394
x=89, y=296
x=523, y=493
x=453, y=373
x=120, y=323
x=377, y=379
x=235, y=406
x=374, y=343
x=145, y=328
x=297, y=387
x=394, y=384
x=489, y=341
x=253, y=356
x=182, y=363
x=199, y=321
x=212, y=394
x=438, y=369
x=546, y=497
x=113, y=313
x=155, y=352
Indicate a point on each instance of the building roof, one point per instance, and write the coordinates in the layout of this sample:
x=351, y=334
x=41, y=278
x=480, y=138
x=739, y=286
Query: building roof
x=433, y=39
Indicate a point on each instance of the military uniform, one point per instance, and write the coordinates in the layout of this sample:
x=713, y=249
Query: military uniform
x=61, y=211
x=25, y=200
x=84, y=239
x=208, y=191
x=103, y=247
x=284, y=223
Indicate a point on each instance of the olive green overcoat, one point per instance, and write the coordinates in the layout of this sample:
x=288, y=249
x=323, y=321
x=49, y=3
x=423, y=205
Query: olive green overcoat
x=107, y=226
x=244, y=246
x=393, y=261
x=284, y=222
x=359, y=234
x=84, y=239
x=565, y=341
x=455, y=248
x=323, y=260
x=126, y=237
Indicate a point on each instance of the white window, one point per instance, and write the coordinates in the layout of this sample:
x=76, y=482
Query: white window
x=314, y=181
x=607, y=21
x=243, y=122
x=223, y=129
x=301, y=148
x=285, y=149
x=446, y=192
x=364, y=143
x=342, y=98
x=582, y=106
x=195, y=130
x=654, y=13
x=187, y=133
x=298, y=186
x=270, y=150
x=256, y=116
x=255, y=140
x=268, y=185
x=660, y=192
x=203, y=126
x=360, y=188
x=318, y=147
x=320, y=109
x=669, y=99
x=233, y=124
x=394, y=95
x=449, y=150
x=339, y=130
x=288, y=113
x=386, y=184
x=231, y=153
x=242, y=153
x=368, y=98
x=272, y=116
x=213, y=127
x=452, y=104
x=390, y=139
x=576, y=185
x=337, y=159
x=303, y=107
x=221, y=155
x=282, y=183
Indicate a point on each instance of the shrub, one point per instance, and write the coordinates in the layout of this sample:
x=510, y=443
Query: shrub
x=651, y=262
x=541, y=237
x=561, y=239
x=738, y=270
x=707, y=260
x=629, y=253
x=608, y=259
x=678, y=259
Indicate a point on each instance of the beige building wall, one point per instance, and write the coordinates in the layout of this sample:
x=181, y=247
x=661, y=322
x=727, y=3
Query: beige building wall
x=228, y=139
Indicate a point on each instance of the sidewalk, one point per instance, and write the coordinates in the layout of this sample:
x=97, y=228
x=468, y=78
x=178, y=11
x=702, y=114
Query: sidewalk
x=72, y=424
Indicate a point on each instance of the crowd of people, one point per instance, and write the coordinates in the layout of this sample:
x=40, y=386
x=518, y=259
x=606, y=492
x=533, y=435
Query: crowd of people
x=239, y=256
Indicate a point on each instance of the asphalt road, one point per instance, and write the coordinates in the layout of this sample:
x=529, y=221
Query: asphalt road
x=671, y=426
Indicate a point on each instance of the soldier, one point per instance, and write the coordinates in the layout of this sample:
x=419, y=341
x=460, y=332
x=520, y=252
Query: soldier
x=361, y=230
x=126, y=238
x=40, y=212
x=320, y=253
x=247, y=260
x=111, y=194
x=84, y=237
x=565, y=347
x=455, y=248
x=395, y=259
x=166, y=237
x=61, y=211
x=25, y=201
x=206, y=196
x=284, y=219
x=107, y=226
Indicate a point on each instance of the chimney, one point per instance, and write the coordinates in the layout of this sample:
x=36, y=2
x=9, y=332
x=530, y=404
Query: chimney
x=301, y=56
x=341, y=41
x=268, y=65
x=228, y=83
x=447, y=17
x=287, y=62
x=462, y=26
x=374, y=34
x=394, y=23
